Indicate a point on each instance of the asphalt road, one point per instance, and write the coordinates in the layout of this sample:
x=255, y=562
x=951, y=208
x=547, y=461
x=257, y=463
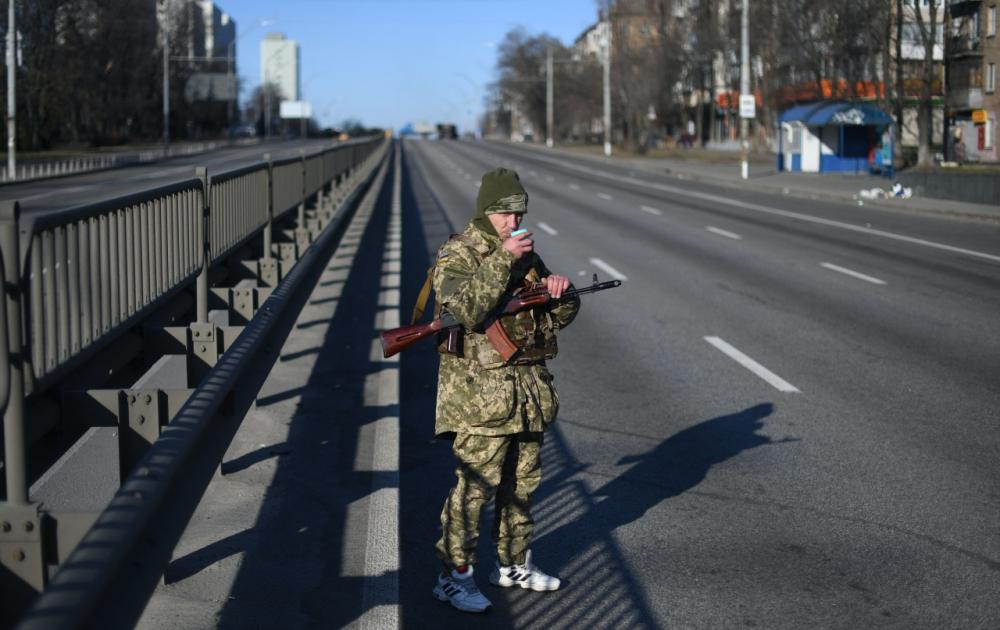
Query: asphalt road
x=847, y=478
x=51, y=195
x=786, y=417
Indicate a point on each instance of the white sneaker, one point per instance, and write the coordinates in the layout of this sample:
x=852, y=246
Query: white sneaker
x=460, y=589
x=525, y=575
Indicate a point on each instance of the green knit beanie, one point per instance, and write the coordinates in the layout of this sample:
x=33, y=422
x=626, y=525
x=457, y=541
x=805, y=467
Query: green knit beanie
x=500, y=191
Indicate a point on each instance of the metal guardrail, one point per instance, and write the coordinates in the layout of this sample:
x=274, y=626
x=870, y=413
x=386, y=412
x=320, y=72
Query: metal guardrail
x=107, y=580
x=286, y=184
x=239, y=207
x=74, y=280
x=94, y=269
x=45, y=169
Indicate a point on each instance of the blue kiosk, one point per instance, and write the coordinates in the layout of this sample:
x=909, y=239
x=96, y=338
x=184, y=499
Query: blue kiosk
x=835, y=136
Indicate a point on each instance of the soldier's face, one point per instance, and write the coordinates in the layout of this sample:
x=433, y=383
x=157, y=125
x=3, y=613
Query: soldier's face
x=505, y=222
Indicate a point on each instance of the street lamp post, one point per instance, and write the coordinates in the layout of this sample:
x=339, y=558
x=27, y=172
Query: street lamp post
x=11, y=101
x=606, y=59
x=548, y=98
x=745, y=87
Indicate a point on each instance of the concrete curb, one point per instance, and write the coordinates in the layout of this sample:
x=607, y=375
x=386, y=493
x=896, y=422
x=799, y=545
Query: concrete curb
x=972, y=212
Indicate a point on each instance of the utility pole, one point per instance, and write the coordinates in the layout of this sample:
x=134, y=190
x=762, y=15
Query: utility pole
x=166, y=80
x=11, y=101
x=606, y=45
x=745, y=87
x=230, y=86
x=548, y=98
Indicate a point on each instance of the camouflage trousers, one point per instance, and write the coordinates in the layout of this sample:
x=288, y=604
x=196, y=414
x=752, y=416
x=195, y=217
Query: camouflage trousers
x=507, y=466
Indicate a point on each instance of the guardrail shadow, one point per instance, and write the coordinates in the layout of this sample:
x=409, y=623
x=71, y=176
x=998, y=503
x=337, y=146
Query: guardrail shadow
x=292, y=572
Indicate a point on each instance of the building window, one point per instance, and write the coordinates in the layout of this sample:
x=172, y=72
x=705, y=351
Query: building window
x=991, y=21
x=991, y=77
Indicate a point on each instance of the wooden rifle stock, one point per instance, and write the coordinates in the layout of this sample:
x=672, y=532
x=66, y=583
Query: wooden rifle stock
x=398, y=339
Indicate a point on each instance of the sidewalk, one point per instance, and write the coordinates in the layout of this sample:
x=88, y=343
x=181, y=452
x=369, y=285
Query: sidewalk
x=840, y=187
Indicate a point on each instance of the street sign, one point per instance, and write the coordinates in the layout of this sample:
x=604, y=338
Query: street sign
x=748, y=106
x=296, y=109
x=979, y=116
x=208, y=86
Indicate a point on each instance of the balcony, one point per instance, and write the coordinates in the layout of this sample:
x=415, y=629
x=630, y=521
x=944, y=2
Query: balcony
x=964, y=45
x=961, y=8
x=968, y=98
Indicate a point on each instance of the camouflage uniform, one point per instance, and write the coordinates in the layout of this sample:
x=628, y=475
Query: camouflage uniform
x=496, y=411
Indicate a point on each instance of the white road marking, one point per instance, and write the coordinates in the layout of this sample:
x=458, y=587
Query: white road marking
x=651, y=210
x=776, y=381
x=855, y=274
x=545, y=227
x=727, y=234
x=574, y=187
x=608, y=269
x=775, y=211
x=605, y=196
x=533, y=173
x=380, y=589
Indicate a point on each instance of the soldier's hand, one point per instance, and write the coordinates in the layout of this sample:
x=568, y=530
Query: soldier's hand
x=555, y=285
x=519, y=245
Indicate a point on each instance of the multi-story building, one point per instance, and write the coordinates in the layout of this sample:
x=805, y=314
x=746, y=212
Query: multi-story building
x=590, y=41
x=911, y=60
x=973, y=55
x=202, y=31
x=279, y=65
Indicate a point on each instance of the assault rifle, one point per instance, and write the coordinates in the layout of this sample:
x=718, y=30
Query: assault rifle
x=399, y=339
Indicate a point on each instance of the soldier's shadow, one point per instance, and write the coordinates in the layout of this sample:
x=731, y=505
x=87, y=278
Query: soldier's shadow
x=673, y=467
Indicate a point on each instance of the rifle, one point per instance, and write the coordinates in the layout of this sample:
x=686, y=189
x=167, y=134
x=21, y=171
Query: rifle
x=399, y=339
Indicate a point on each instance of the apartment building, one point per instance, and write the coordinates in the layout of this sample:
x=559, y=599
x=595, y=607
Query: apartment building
x=973, y=55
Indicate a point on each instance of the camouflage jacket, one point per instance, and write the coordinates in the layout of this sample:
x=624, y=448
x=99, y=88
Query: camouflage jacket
x=477, y=392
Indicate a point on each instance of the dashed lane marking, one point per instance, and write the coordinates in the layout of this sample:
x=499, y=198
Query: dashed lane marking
x=605, y=196
x=773, y=211
x=776, y=381
x=651, y=210
x=608, y=269
x=853, y=274
x=545, y=227
x=721, y=232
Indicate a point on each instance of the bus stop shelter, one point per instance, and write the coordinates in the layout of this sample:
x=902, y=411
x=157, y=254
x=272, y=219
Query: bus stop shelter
x=835, y=136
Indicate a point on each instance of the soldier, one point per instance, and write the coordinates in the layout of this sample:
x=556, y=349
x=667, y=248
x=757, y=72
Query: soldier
x=497, y=411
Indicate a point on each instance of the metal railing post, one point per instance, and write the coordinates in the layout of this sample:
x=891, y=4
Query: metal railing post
x=268, y=229
x=13, y=418
x=301, y=216
x=202, y=286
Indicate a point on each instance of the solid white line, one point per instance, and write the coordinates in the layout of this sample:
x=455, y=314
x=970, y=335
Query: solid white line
x=855, y=274
x=774, y=211
x=651, y=210
x=776, y=381
x=727, y=234
x=545, y=227
x=605, y=196
x=608, y=269
x=380, y=589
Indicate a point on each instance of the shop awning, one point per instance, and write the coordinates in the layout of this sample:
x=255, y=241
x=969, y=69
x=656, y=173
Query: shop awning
x=827, y=113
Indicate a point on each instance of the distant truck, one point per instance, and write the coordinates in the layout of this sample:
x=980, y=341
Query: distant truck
x=447, y=131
